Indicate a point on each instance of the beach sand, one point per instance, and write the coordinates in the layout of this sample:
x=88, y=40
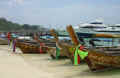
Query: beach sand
x=18, y=65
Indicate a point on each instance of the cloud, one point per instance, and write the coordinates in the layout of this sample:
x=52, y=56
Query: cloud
x=15, y=2
x=19, y=1
x=62, y=12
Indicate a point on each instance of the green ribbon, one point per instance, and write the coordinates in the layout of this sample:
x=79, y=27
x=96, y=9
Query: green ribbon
x=81, y=53
x=57, y=52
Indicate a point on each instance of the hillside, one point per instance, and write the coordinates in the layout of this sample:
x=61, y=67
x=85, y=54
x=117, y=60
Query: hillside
x=6, y=25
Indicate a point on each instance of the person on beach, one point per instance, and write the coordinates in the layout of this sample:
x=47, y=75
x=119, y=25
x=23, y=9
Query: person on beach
x=14, y=44
x=9, y=37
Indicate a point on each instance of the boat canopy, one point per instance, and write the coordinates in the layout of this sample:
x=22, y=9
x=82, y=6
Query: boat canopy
x=93, y=35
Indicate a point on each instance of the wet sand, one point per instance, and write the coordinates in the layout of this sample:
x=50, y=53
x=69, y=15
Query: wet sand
x=20, y=65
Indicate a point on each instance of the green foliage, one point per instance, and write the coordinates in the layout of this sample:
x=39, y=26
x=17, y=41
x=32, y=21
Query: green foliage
x=6, y=25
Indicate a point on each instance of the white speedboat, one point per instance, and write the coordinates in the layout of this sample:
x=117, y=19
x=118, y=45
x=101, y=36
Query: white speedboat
x=89, y=27
x=110, y=29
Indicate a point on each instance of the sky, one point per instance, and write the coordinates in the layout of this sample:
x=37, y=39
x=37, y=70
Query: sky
x=60, y=12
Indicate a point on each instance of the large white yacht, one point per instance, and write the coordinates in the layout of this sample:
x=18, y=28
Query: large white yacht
x=88, y=27
x=111, y=29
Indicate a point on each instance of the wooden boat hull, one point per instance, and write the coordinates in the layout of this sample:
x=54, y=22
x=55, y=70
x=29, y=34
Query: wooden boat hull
x=20, y=42
x=99, y=61
x=28, y=46
x=52, y=52
x=31, y=48
x=56, y=54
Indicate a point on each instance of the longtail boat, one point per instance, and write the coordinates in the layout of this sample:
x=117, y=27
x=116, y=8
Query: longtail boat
x=19, y=41
x=34, y=46
x=96, y=60
x=30, y=46
x=62, y=48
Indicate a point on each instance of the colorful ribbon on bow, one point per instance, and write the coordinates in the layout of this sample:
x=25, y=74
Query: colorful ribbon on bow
x=81, y=53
